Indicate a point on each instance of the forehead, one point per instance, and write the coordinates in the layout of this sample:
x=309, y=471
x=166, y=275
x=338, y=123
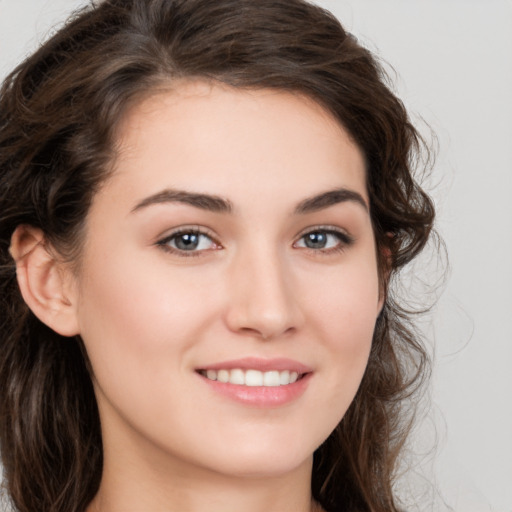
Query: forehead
x=213, y=137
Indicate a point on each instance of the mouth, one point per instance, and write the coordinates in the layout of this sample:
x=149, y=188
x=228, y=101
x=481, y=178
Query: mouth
x=264, y=383
x=253, y=377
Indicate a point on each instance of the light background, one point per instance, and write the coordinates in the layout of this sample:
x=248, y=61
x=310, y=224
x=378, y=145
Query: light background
x=453, y=60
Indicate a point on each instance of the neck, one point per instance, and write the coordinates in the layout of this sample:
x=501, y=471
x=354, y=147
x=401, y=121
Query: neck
x=144, y=479
x=134, y=491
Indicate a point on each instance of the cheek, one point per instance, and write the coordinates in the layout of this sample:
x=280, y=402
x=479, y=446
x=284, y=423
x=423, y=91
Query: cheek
x=138, y=328
x=139, y=315
x=344, y=315
x=121, y=315
x=347, y=304
x=127, y=294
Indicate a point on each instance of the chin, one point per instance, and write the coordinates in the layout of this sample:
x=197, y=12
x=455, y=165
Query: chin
x=264, y=458
x=271, y=466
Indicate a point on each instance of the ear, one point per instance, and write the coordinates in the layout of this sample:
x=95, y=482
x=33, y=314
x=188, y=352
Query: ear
x=47, y=284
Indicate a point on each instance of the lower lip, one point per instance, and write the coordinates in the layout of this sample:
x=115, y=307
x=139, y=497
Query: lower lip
x=261, y=396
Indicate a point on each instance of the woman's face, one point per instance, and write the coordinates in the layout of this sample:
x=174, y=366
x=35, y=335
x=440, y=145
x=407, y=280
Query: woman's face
x=232, y=242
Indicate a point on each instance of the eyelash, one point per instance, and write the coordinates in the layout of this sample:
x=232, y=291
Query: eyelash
x=194, y=231
x=344, y=240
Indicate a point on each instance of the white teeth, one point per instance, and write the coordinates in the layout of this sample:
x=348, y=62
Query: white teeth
x=223, y=376
x=237, y=377
x=211, y=374
x=271, y=379
x=252, y=377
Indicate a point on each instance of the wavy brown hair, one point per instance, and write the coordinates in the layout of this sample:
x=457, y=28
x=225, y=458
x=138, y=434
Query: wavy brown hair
x=58, y=114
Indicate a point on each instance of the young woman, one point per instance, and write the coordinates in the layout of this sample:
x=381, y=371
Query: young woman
x=202, y=207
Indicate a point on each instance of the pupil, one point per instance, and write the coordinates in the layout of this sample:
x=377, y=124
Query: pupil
x=187, y=241
x=316, y=240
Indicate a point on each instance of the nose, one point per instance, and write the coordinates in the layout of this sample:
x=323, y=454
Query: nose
x=263, y=301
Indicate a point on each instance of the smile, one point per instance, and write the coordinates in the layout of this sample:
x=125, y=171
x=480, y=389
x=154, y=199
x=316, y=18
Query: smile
x=258, y=382
x=252, y=378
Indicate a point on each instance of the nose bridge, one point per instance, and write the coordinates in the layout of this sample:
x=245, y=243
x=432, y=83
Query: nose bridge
x=262, y=298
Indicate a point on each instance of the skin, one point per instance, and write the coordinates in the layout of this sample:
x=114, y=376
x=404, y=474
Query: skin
x=150, y=316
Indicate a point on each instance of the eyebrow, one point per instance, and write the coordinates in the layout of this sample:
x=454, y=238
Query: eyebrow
x=203, y=201
x=330, y=198
x=218, y=204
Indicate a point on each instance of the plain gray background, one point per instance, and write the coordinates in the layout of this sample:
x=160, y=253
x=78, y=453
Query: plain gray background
x=453, y=60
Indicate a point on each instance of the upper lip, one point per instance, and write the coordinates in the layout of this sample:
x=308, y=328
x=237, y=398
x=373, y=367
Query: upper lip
x=263, y=365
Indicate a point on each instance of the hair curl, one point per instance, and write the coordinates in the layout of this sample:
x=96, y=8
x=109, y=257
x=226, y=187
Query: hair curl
x=58, y=114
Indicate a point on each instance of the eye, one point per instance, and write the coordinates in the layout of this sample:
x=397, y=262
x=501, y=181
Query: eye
x=324, y=240
x=188, y=241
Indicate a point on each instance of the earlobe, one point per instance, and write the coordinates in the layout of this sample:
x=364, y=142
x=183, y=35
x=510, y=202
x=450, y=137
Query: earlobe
x=45, y=282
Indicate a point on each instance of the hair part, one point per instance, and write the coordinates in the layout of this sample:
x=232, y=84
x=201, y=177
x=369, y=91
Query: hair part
x=59, y=111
